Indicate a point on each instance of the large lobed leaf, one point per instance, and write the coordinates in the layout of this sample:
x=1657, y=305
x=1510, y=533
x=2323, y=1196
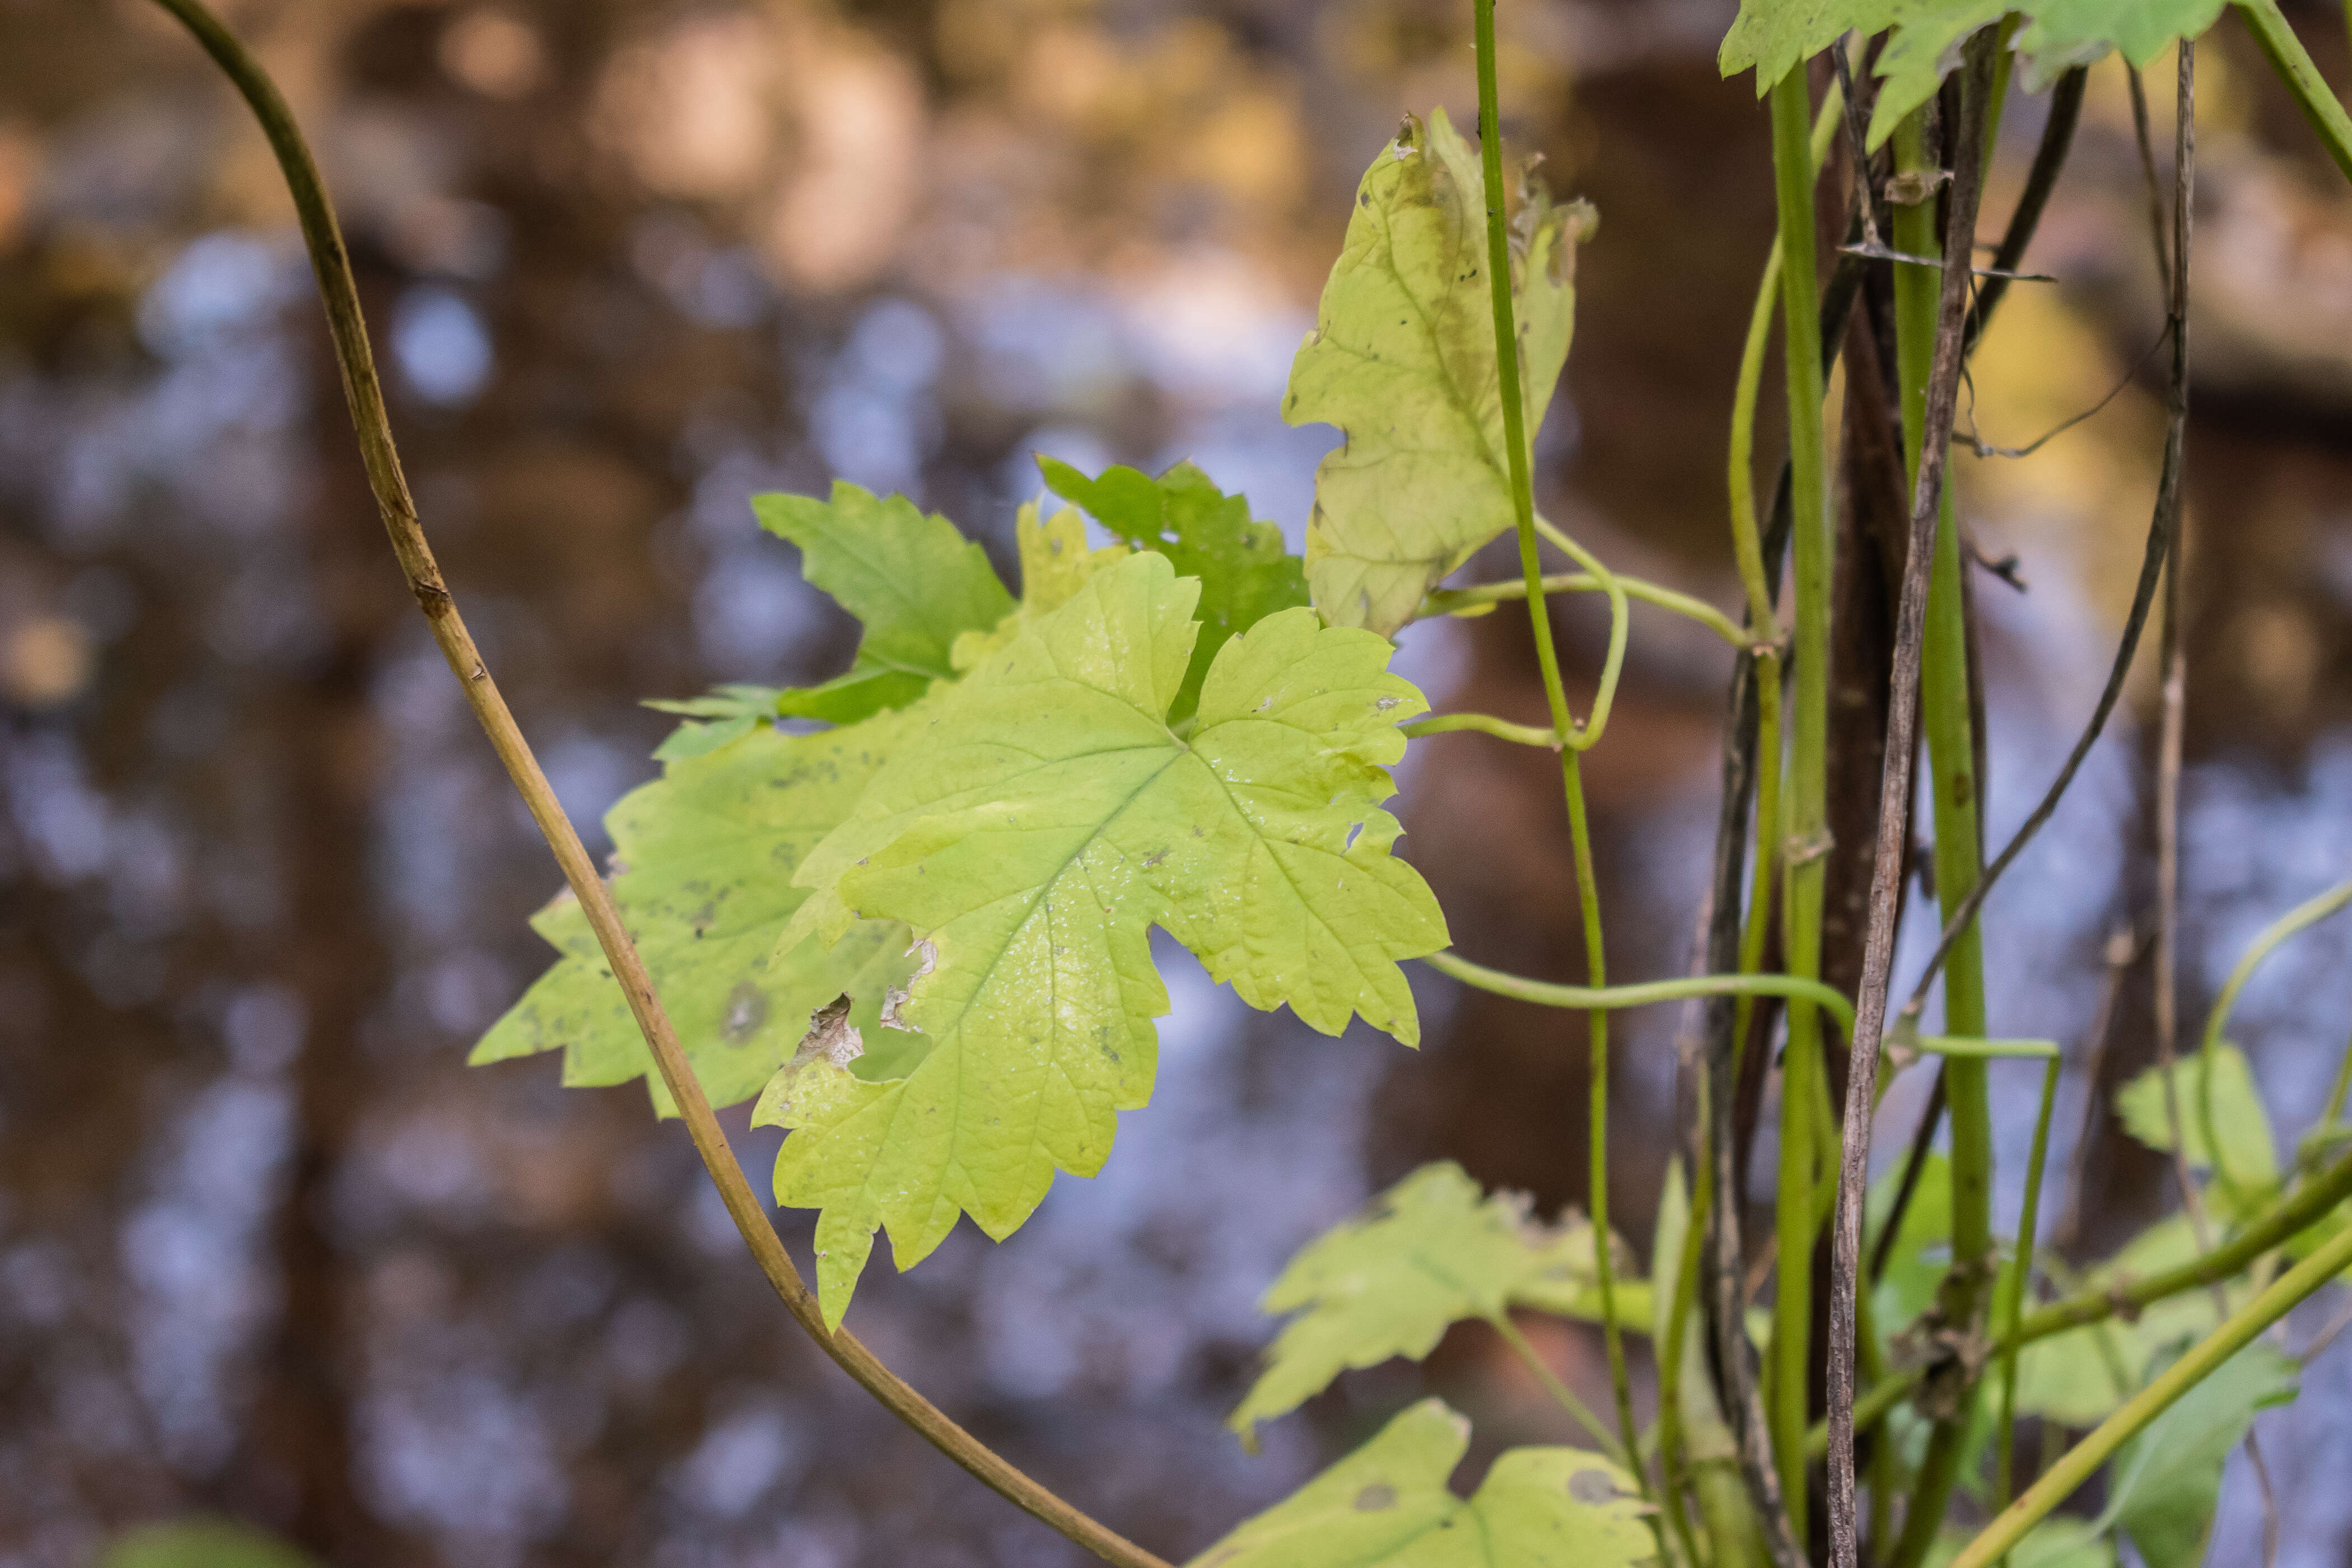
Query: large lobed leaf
x=1428, y=1252
x=703, y=860
x=1044, y=820
x=1402, y=361
x=1387, y=1506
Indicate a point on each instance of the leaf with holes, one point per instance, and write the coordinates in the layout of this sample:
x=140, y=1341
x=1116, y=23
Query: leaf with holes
x=1430, y=1252
x=1042, y=823
x=1387, y=1506
x=1402, y=361
x=703, y=860
x=1245, y=573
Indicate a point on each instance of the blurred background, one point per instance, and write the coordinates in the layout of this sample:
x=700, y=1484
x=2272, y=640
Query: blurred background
x=268, y=1250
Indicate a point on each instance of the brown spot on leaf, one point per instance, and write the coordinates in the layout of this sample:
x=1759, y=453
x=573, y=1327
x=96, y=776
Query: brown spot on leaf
x=1380, y=1495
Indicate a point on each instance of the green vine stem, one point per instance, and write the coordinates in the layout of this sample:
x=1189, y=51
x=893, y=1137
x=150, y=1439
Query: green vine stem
x=331, y=264
x=1805, y=795
x=1930, y=317
x=1563, y=1396
x=2290, y=1217
x=1585, y=736
x=2010, y=1311
x=1748, y=550
x=1487, y=595
x=1573, y=739
x=2342, y=1091
x=2301, y=918
x=1639, y=993
x=2292, y=61
x=1486, y=724
x=2082, y=1461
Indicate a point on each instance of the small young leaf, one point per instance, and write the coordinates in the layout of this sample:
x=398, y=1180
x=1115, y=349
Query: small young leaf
x=732, y=711
x=1402, y=361
x=1428, y=1252
x=2164, y=1484
x=1054, y=564
x=2239, y=1122
x=1246, y=573
x=1044, y=821
x=915, y=583
x=704, y=859
x=1387, y=1506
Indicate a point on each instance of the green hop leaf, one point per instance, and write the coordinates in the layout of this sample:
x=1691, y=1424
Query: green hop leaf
x=1924, y=38
x=915, y=583
x=1044, y=821
x=2061, y=33
x=1387, y=1506
x=1921, y=52
x=1428, y=1252
x=2239, y=1122
x=1770, y=37
x=1402, y=361
x=1246, y=573
x=704, y=859
x=2163, y=1484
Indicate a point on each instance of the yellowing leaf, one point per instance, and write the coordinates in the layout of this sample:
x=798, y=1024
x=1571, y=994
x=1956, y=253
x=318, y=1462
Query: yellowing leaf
x=1032, y=836
x=704, y=859
x=915, y=583
x=1387, y=1506
x=1402, y=361
x=1430, y=1252
x=1246, y=573
x=1054, y=564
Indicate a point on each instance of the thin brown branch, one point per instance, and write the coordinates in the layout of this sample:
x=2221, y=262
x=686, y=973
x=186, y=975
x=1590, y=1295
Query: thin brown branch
x=2158, y=563
x=1903, y=718
x=332, y=265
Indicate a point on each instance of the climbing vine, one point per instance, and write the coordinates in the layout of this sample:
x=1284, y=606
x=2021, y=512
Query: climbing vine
x=915, y=927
